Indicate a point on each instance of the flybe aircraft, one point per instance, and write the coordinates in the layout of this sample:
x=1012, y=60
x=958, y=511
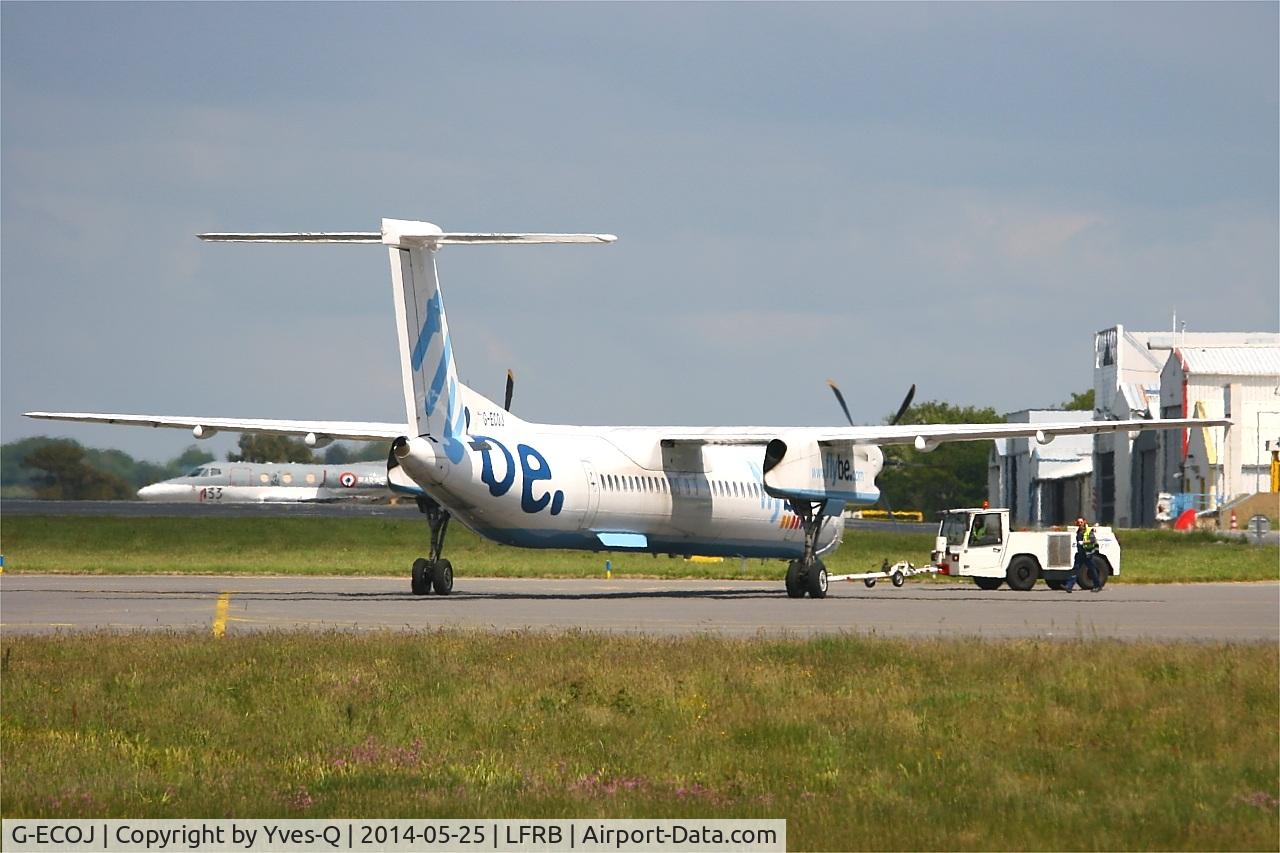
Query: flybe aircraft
x=285, y=482
x=746, y=491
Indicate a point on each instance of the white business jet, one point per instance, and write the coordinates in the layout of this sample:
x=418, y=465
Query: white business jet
x=732, y=491
x=272, y=482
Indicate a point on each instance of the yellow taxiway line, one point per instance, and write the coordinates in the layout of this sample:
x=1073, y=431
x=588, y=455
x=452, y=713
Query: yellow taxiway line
x=220, y=614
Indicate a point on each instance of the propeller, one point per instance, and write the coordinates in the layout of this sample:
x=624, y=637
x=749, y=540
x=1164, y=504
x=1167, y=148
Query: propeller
x=902, y=410
x=511, y=386
x=835, y=389
x=906, y=404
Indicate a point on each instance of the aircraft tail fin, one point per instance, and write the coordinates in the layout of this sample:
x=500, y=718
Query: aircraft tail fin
x=433, y=401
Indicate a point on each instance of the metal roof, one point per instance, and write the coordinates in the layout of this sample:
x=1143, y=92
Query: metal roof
x=1230, y=361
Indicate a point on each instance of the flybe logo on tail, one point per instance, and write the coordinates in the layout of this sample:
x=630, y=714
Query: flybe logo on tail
x=441, y=382
x=534, y=467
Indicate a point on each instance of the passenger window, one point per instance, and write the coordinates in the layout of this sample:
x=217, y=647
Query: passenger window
x=264, y=478
x=311, y=479
x=287, y=479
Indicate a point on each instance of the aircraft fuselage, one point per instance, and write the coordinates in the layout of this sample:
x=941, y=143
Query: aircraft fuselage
x=616, y=489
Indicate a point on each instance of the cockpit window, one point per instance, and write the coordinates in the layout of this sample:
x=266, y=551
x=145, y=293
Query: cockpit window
x=196, y=472
x=215, y=472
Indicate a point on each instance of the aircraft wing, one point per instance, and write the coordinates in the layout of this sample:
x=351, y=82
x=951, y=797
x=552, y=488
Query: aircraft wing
x=927, y=436
x=205, y=427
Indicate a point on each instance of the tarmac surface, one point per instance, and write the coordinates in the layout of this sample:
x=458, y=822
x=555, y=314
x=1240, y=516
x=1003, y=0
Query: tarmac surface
x=1245, y=612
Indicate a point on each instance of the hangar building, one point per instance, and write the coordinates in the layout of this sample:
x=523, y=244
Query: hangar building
x=1118, y=478
x=1174, y=375
x=1042, y=485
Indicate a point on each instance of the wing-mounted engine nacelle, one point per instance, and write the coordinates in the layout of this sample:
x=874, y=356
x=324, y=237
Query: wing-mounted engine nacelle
x=801, y=468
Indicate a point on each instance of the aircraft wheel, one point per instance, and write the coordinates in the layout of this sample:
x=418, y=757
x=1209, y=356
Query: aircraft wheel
x=898, y=578
x=1022, y=573
x=988, y=583
x=870, y=582
x=442, y=577
x=795, y=583
x=817, y=580
x=420, y=579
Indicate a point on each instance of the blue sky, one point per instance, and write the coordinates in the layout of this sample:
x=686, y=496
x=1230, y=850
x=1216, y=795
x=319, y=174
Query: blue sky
x=953, y=195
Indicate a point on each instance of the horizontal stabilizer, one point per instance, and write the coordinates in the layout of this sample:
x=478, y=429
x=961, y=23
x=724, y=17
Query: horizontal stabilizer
x=298, y=237
x=459, y=237
x=403, y=232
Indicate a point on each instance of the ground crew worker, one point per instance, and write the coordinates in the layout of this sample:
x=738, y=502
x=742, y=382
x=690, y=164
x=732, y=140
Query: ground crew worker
x=1086, y=547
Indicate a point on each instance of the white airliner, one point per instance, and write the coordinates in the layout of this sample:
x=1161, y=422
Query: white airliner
x=733, y=491
x=271, y=482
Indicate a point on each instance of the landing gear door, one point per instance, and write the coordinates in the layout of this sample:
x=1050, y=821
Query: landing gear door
x=593, y=495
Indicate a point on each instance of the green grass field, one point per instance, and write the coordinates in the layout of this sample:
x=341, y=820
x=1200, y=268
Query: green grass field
x=858, y=743
x=372, y=546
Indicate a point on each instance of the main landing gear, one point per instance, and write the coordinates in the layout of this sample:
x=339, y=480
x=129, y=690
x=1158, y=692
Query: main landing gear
x=808, y=574
x=434, y=571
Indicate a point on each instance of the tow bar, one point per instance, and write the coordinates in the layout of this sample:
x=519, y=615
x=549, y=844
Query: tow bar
x=897, y=573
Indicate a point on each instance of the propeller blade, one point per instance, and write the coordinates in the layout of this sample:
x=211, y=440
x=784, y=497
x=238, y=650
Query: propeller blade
x=902, y=410
x=835, y=389
x=511, y=386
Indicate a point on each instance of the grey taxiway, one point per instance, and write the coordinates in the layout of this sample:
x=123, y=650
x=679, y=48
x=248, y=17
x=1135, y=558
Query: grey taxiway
x=1245, y=612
